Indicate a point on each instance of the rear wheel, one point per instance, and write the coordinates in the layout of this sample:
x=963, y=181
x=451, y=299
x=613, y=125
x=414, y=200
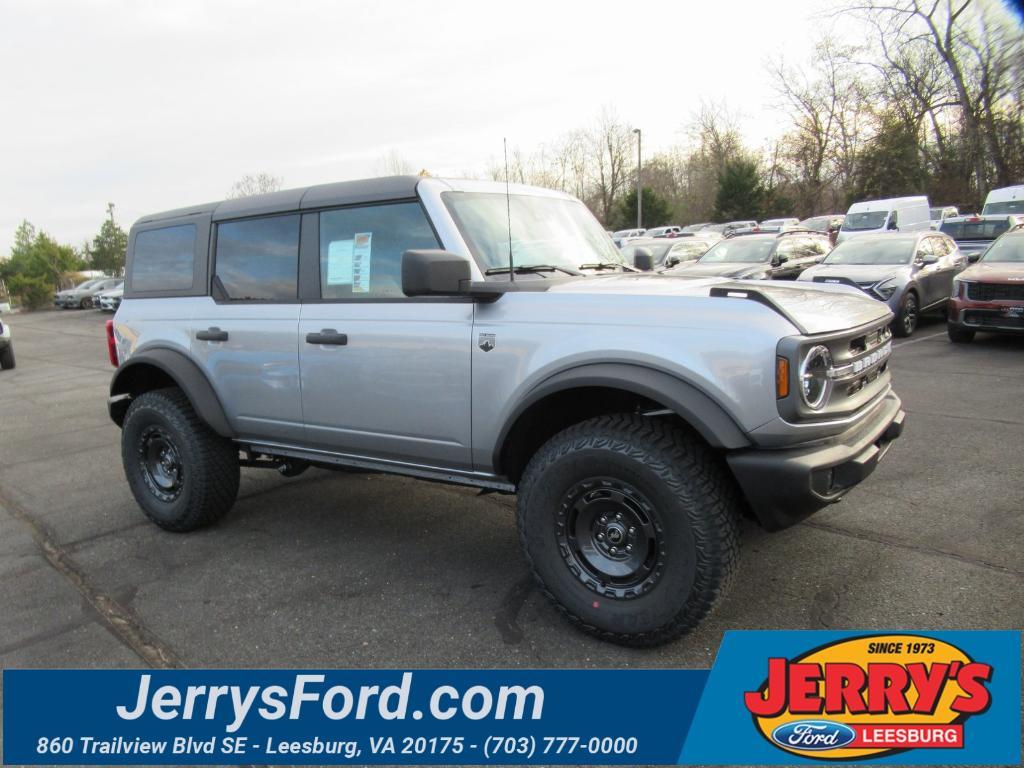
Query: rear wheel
x=85, y=303
x=182, y=474
x=7, y=357
x=906, y=318
x=630, y=526
x=959, y=335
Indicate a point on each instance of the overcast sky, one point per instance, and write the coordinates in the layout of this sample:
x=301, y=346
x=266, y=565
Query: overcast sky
x=155, y=105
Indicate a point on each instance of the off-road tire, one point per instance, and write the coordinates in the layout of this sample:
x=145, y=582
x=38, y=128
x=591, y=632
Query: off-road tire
x=959, y=335
x=209, y=467
x=7, y=357
x=691, y=494
x=909, y=314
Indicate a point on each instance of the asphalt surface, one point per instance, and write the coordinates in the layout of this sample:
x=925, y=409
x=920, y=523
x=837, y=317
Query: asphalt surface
x=350, y=570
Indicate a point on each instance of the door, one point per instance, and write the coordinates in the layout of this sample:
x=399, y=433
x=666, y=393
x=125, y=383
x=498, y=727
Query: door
x=929, y=276
x=950, y=262
x=384, y=376
x=786, y=261
x=245, y=337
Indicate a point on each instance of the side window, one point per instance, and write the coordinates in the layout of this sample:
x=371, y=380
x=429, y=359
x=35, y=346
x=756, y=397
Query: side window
x=163, y=259
x=788, y=247
x=258, y=259
x=819, y=246
x=361, y=249
x=924, y=248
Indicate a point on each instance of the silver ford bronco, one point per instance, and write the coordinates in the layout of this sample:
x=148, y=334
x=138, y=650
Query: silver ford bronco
x=468, y=332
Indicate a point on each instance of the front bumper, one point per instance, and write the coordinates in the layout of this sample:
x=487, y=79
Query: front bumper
x=995, y=316
x=785, y=485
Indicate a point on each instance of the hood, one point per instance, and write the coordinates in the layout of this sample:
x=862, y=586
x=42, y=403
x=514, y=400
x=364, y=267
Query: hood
x=861, y=274
x=734, y=270
x=818, y=309
x=994, y=272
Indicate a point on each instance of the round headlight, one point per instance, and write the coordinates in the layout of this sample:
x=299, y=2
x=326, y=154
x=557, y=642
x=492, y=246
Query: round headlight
x=815, y=383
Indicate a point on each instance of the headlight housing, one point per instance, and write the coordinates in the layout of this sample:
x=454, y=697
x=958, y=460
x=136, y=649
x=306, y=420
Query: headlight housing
x=886, y=288
x=959, y=288
x=815, y=377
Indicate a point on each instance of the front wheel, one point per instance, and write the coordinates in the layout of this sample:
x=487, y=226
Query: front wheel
x=630, y=526
x=182, y=474
x=7, y=357
x=906, y=318
x=959, y=335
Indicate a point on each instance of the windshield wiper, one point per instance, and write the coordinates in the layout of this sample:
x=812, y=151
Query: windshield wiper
x=602, y=265
x=526, y=269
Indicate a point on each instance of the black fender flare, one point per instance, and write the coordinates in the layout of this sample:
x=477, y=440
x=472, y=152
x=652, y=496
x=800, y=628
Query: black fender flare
x=706, y=416
x=188, y=377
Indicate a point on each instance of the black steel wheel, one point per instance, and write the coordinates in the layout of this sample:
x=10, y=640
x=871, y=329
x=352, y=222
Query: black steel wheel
x=183, y=475
x=611, y=537
x=630, y=526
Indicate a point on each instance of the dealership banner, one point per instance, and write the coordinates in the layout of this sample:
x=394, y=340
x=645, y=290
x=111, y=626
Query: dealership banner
x=771, y=697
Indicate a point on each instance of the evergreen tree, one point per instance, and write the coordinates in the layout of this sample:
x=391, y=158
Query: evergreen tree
x=740, y=192
x=109, y=246
x=655, y=212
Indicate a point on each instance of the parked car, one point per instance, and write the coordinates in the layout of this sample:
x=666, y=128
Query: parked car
x=897, y=214
x=83, y=296
x=780, y=223
x=669, y=231
x=634, y=448
x=697, y=227
x=764, y=229
x=1005, y=200
x=110, y=300
x=826, y=222
x=668, y=252
x=940, y=214
x=759, y=257
x=974, y=234
x=6, y=347
x=989, y=295
x=624, y=236
x=911, y=272
x=732, y=226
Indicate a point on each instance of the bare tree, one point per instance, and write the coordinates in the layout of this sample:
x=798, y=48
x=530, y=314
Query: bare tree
x=257, y=184
x=393, y=163
x=610, y=145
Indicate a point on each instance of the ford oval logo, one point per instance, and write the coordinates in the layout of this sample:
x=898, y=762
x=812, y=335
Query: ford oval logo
x=813, y=735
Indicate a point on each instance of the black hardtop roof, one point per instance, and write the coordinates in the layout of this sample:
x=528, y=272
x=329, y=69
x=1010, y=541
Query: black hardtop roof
x=317, y=196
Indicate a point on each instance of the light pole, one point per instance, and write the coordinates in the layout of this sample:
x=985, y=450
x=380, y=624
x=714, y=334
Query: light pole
x=639, y=185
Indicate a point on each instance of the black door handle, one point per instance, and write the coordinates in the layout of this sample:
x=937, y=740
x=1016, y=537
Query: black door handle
x=327, y=336
x=212, y=334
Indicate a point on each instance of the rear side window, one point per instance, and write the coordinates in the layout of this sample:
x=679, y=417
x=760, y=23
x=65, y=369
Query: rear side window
x=163, y=258
x=258, y=259
x=361, y=249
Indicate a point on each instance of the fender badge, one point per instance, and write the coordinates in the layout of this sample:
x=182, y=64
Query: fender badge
x=486, y=341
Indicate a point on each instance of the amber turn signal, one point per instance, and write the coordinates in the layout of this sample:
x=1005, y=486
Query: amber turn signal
x=781, y=377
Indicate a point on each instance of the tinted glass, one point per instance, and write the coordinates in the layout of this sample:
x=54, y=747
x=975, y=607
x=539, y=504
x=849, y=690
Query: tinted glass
x=865, y=220
x=1010, y=206
x=872, y=250
x=163, y=259
x=361, y=249
x=258, y=259
x=744, y=250
x=1010, y=248
x=975, y=230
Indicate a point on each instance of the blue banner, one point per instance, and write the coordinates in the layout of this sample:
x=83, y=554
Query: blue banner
x=773, y=697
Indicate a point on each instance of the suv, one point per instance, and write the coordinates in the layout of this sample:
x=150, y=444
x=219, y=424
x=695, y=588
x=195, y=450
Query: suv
x=989, y=296
x=973, y=234
x=462, y=332
x=781, y=256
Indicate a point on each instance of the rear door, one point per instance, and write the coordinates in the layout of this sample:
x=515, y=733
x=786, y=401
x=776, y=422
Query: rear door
x=245, y=336
x=384, y=376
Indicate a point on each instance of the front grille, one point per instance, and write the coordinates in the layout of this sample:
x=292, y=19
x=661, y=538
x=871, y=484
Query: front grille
x=995, y=292
x=992, y=320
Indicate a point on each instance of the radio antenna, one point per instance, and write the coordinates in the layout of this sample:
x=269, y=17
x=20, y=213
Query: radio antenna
x=508, y=211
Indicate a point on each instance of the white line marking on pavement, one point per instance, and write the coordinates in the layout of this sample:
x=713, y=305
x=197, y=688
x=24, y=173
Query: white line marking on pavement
x=914, y=341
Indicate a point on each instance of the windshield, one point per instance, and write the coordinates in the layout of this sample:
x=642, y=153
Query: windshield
x=855, y=222
x=872, y=251
x=935, y=213
x=744, y=251
x=975, y=230
x=1006, y=249
x=86, y=284
x=545, y=230
x=658, y=250
x=1009, y=206
x=688, y=249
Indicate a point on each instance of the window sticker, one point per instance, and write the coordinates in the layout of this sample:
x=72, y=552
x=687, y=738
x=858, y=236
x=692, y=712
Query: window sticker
x=360, y=259
x=339, y=262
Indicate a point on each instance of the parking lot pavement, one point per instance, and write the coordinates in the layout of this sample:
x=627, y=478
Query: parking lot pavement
x=354, y=570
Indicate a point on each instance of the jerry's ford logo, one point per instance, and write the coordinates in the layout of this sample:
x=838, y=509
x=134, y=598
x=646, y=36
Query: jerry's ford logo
x=814, y=735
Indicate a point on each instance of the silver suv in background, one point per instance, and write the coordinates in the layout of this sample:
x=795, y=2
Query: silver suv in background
x=911, y=272
x=465, y=332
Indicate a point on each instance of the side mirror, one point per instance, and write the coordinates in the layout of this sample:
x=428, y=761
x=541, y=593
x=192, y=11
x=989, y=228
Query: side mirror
x=893, y=225
x=671, y=261
x=781, y=259
x=643, y=259
x=929, y=258
x=973, y=257
x=435, y=273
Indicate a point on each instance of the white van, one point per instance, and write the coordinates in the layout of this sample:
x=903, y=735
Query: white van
x=1005, y=200
x=897, y=214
